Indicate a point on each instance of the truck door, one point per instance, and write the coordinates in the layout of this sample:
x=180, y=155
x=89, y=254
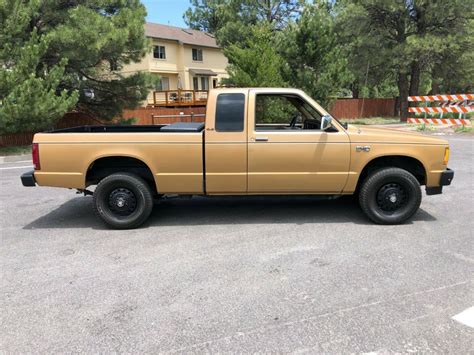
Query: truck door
x=226, y=142
x=287, y=151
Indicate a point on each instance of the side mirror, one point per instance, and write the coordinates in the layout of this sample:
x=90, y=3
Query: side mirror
x=326, y=121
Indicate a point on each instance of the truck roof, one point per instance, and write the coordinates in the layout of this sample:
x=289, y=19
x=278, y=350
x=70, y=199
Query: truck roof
x=265, y=89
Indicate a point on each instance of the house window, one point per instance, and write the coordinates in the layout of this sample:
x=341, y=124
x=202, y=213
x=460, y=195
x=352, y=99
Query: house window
x=204, y=83
x=195, y=83
x=163, y=84
x=159, y=52
x=197, y=55
x=113, y=65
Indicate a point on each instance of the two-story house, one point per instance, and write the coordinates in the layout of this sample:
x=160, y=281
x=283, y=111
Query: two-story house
x=183, y=59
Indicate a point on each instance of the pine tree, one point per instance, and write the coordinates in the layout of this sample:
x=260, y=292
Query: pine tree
x=57, y=56
x=255, y=63
x=314, y=60
x=406, y=41
x=30, y=93
x=231, y=21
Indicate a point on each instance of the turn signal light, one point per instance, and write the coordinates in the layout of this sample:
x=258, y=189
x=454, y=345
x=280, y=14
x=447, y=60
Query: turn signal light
x=35, y=154
x=446, y=156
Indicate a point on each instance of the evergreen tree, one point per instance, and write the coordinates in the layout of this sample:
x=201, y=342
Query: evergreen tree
x=30, y=93
x=405, y=40
x=210, y=15
x=231, y=20
x=56, y=56
x=314, y=60
x=256, y=63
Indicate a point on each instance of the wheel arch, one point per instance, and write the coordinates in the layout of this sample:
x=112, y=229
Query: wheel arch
x=108, y=164
x=407, y=162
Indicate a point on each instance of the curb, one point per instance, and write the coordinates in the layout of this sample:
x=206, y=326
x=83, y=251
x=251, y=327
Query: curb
x=15, y=158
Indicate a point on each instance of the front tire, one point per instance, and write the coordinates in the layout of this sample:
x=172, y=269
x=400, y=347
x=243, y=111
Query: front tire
x=123, y=201
x=390, y=196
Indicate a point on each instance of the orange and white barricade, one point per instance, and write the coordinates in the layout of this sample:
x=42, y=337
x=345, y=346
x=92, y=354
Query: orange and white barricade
x=455, y=103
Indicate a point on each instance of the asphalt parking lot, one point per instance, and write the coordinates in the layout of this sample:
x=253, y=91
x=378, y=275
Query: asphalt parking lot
x=244, y=274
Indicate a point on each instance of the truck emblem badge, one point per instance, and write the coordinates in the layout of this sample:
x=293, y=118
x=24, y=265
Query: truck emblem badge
x=362, y=148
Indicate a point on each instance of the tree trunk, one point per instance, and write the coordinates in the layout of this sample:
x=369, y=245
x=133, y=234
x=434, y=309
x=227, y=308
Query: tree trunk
x=434, y=87
x=414, y=82
x=403, y=93
x=355, y=90
x=434, y=82
x=396, y=109
x=415, y=79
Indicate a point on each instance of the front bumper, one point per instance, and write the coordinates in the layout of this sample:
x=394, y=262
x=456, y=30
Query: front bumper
x=446, y=177
x=28, y=179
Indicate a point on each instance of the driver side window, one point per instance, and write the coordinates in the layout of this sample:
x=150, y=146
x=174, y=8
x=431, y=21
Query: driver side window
x=284, y=112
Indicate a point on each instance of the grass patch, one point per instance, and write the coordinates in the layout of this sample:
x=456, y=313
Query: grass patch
x=372, y=120
x=15, y=150
x=463, y=129
x=425, y=128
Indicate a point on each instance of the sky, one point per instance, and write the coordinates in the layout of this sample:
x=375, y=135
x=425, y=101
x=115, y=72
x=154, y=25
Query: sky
x=167, y=12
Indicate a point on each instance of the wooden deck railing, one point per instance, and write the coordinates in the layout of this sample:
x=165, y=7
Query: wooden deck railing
x=174, y=98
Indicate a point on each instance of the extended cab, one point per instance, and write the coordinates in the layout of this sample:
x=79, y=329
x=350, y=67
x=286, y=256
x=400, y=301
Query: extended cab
x=254, y=141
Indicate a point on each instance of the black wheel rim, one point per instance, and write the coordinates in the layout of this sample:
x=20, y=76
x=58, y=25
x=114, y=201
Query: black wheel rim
x=392, y=197
x=122, y=202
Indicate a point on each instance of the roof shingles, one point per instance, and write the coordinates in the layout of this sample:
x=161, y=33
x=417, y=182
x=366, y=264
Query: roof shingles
x=186, y=36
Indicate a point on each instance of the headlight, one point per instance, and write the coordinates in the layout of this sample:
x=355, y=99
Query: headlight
x=446, y=156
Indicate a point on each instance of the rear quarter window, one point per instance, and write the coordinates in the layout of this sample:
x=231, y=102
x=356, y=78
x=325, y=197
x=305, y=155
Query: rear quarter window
x=230, y=110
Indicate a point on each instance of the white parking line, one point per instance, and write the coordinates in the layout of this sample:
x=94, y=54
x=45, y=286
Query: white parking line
x=466, y=317
x=20, y=161
x=17, y=167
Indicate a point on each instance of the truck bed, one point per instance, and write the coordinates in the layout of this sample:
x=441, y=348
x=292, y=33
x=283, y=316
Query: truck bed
x=180, y=127
x=174, y=154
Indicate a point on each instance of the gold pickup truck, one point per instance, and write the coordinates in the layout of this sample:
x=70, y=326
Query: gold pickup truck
x=253, y=142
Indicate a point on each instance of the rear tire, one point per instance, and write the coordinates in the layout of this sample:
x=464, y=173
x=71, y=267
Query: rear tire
x=390, y=196
x=123, y=201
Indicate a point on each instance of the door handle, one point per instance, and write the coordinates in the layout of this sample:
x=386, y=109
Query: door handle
x=261, y=139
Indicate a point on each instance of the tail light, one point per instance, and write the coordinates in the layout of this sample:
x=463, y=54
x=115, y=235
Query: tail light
x=36, y=157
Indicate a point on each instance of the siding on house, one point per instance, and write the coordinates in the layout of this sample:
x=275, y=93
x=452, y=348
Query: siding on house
x=178, y=70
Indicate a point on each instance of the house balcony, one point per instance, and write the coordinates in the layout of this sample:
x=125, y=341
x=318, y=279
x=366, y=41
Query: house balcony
x=178, y=98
